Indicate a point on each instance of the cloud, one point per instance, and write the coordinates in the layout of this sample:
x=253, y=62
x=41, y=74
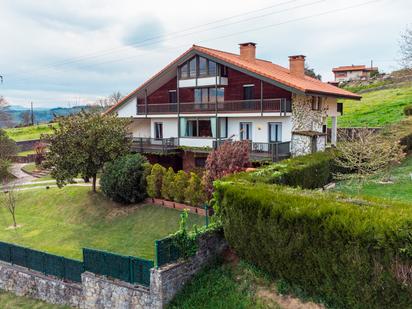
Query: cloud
x=145, y=34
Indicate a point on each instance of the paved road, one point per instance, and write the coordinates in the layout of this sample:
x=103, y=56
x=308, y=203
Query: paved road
x=21, y=177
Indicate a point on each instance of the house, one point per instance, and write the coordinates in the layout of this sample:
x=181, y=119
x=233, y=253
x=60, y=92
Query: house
x=353, y=72
x=207, y=96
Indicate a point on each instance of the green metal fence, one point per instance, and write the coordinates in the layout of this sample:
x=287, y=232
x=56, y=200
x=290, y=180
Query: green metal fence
x=126, y=268
x=166, y=252
x=45, y=263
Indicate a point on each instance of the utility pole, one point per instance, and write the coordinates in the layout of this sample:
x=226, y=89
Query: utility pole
x=32, y=114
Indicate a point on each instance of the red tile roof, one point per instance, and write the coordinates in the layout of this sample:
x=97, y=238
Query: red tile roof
x=354, y=68
x=260, y=67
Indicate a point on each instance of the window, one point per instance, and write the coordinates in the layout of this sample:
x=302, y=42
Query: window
x=248, y=92
x=202, y=66
x=184, y=70
x=172, y=96
x=198, y=127
x=216, y=92
x=192, y=68
x=223, y=71
x=316, y=103
x=245, y=131
x=206, y=95
x=222, y=127
x=275, y=132
x=212, y=68
x=158, y=126
x=200, y=161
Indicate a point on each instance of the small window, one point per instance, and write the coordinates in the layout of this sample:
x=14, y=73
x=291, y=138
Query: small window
x=200, y=161
x=316, y=103
x=248, y=92
x=172, y=96
x=158, y=130
x=245, y=131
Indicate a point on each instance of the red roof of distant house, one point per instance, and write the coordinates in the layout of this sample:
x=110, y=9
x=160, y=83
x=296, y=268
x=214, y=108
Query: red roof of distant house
x=354, y=68
x=260, y=67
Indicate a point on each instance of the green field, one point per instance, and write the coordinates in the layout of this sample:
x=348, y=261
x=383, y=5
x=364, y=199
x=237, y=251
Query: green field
x=30, y=132
x=377, y=108
x=400, y=189
x=11, y=301
x=63, y=221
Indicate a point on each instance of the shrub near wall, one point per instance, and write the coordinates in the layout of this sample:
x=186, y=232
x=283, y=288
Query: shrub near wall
x=350, y=255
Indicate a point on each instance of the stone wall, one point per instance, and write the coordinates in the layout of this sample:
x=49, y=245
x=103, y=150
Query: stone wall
x=101, y=292
x=303, y=117
x=27, y=145
x=24, y=282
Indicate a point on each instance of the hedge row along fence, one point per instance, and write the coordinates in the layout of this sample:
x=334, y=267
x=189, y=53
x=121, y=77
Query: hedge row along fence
x=350, y=254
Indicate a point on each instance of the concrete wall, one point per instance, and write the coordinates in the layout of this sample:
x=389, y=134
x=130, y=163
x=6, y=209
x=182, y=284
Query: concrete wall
x=97, y=291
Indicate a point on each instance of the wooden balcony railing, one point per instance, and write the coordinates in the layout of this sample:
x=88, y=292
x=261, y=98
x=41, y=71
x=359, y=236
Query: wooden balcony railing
x=253, y=106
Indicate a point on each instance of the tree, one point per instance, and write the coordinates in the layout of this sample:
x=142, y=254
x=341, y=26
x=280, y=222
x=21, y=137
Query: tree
x=311, y=72
x=25, y=118
x=5, y=116
x=180, y=184
x=365, y=153
x=40, y=151
x=81, y=144
x=195, y=193
x=124, y=180
x=8, y=149
x=405, y=45
x=155, y=181
x=229, y=158
x=9, y=202
x=167, y=184
x=115, y=97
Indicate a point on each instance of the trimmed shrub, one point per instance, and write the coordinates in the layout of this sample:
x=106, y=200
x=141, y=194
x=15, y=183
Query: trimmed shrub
x=195, y=192
x=350, y=255
x=180, y=184
x=155, y=180
x=309, y=172
x=168, y=184
x=408, y=110
x=124, y=180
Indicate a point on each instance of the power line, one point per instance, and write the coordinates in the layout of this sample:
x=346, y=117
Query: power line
x=255, y=29
x=174, y=35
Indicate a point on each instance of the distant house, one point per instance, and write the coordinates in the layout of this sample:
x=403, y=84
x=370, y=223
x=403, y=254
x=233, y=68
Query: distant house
x=353, y=72
x=207, y=96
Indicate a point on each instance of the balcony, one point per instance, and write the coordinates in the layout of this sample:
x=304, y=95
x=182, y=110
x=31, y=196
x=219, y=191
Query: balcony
x=264, y=151
x=238, y=106
x=154, y=145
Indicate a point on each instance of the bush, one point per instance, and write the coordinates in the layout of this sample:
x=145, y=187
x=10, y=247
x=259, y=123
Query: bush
x=309, y=172
x=168, y=185
x=408, y=110
x=40, y=150
x=180, y=184
x=124, y=180
x=155, y=180
x=351, y=255
x=4, y=169
x=195, y=192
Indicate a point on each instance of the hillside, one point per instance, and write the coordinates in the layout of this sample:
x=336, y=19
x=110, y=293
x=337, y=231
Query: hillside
x=377, y=108
x=30, y=132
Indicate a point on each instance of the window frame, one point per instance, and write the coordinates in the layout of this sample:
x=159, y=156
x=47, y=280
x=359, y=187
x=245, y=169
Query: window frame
x=278, y=124
x=156, y=125
x=248, y=123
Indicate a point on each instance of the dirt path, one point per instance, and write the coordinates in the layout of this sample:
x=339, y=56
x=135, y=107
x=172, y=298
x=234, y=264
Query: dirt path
x=21, y=177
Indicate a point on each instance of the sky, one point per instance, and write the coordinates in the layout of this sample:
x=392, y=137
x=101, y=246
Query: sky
x=73, y=52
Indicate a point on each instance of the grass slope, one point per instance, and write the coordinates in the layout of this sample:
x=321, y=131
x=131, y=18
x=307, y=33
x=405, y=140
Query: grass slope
x=30, y=132
x=63, y=221
x=224, y=287
x=400, y=189
x=11, y=301
x=377, y=108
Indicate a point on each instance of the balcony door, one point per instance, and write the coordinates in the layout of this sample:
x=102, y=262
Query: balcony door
x=158, y=126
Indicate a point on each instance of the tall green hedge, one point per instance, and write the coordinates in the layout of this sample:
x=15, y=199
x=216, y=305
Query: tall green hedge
x=344, y=252
x=309, y=172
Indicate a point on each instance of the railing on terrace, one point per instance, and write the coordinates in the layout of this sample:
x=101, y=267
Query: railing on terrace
x=274, y=151
x=266, y=105
x=147, y=144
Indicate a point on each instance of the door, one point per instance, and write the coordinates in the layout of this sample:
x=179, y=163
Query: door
x=275, y=132
x=158, y=126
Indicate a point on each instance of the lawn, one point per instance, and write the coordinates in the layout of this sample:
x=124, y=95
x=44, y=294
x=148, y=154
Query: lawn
x=63, y=221
x=377, y=108
x=225, y=287
x=400, y=189
x=11, y=301
x=30, y=132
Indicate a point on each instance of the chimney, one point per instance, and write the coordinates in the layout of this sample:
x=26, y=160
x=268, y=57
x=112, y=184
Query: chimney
x=248, y=51
x=297, y=65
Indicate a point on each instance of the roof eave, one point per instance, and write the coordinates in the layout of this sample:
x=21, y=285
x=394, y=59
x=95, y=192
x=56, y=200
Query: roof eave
x=335, y=95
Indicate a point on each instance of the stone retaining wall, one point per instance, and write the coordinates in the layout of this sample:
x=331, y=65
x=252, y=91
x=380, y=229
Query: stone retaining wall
x=100, y=292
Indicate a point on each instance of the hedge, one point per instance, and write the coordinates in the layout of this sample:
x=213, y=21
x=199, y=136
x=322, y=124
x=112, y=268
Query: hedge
x=351, y=255
x=309, y=172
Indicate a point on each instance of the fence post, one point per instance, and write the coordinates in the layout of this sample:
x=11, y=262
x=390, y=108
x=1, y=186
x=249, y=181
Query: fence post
x=44, y=262
x=131, y=269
